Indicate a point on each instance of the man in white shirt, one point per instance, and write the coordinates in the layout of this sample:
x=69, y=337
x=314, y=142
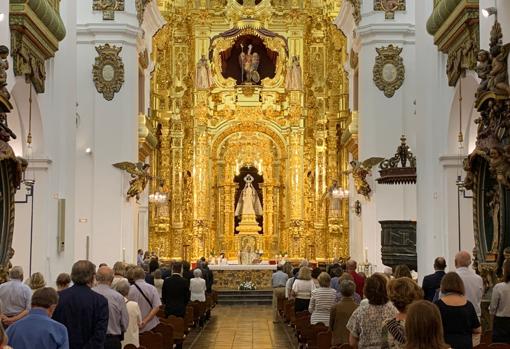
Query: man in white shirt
x=473, y=283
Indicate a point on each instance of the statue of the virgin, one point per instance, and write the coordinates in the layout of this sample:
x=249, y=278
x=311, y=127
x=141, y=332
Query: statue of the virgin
x=249, y=202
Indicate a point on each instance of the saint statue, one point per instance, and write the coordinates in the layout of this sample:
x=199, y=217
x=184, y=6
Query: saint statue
x=249, y=63
x=203, y=79
x=294, y=79
x=249, y=202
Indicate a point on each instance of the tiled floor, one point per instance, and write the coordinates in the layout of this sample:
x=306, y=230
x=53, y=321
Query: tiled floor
x=242, y=327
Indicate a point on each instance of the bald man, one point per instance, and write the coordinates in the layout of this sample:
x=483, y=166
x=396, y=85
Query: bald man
x=473, y=283
x=118, y=317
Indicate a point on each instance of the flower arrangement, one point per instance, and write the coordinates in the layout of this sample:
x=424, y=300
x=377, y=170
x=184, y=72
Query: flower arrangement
x=247, y=286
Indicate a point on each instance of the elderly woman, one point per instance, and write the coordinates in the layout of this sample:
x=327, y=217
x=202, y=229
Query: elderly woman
x=459, y=317
x=321, y=301
x=366, y=323
x=135, y=315
x=499, y=307
x=119, y=272
x=36, y=281
x=302, y=289
x=355, y=296
x=402, y=292
x=342, y=311
x=158, y=281
x=197, y=286
x=423, y=327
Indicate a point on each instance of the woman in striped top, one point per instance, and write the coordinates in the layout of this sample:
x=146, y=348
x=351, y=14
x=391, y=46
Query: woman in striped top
x=322, y=300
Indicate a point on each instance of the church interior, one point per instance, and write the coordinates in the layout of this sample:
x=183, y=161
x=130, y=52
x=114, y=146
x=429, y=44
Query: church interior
x=255, y=133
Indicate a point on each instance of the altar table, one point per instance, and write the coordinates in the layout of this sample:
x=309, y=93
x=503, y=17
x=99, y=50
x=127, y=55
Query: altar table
x=228, y=277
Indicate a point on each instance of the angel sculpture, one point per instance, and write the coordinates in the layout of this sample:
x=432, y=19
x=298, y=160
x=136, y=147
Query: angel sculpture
x=249, y=63
x=140, y=177
x=360, y=171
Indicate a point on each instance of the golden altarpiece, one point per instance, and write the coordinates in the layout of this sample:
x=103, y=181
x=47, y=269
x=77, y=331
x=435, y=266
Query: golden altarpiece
x=220, y=118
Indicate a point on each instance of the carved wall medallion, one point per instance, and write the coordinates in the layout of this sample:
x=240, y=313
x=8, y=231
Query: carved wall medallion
x=108, y=71
x=389, y=7
x=108, y=7
x=389, y=71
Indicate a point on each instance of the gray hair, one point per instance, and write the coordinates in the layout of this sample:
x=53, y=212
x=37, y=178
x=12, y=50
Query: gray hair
x=197, y=273
x=347, y=288
x=122, y=286
x=16, y=273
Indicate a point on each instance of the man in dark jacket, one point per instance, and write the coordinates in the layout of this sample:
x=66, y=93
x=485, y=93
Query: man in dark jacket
x=176, y=293
x=83, y=311
x=431, y=283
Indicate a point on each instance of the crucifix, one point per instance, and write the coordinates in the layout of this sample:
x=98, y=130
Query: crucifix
x=108, y=7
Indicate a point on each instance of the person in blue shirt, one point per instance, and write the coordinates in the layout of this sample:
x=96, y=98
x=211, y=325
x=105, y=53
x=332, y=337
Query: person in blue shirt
x=38, y=330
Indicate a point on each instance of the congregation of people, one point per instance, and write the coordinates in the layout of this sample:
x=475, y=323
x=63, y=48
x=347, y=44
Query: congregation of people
x=111, y=307
x=389, y=310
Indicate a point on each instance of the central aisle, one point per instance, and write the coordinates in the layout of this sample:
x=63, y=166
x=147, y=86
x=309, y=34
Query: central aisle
x=243, y=327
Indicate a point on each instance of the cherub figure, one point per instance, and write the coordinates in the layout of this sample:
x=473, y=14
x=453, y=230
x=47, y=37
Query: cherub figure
x=483, y=69
x=499, y=164
x=4, y=66
x=360, y=171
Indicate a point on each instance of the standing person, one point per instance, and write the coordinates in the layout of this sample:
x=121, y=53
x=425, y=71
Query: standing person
x=432, y=283
x=119, y=272
x=197, y=287
x=63, y=281
x=176, y=293
x=147, y=298
x=207, y=274
x=278, y=281
x=139, y=258
x=366, y=323
x=322, y=300
x=401, y=292
x=473, y=283
x=402, y=271
x=3, y=339
x=118, y=317
x=36, y=281
x=341, y=313
x=500, y=307
x=290, y=282
x=458, y=314
x=158, y=281
x=423, y=327
x=38, y=330
x=302, y=289
x=351, y=266
x=83, y=311
x=15, y=297
x=131, y=336
x=186, y=272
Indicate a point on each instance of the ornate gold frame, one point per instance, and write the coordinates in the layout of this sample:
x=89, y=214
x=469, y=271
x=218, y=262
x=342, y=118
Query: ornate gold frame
x=108, y=56
x=389, y=55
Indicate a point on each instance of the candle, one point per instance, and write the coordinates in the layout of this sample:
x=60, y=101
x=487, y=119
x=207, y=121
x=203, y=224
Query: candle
x=124, y=255
x=366, y=255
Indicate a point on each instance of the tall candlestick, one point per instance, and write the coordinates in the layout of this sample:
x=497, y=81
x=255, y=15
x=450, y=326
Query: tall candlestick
x=366, y=255
x=124, y=255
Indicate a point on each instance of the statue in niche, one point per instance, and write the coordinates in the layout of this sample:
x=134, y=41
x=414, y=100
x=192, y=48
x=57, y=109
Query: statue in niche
x=249, y=63
x=294, y=76
x=249, y=202
x=494, y=212
x=248, y=253
x=335, y=200
x=204, y=78
x=4, y=66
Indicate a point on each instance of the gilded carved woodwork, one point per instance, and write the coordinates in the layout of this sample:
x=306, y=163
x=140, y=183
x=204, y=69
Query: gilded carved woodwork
x=455, y=27
x=389, y=7
x=36, y=29
x=108, y=71
x=108, y=7
x=11, y=170
x=389, y=70
x=208, y=133
x=488, y=165
x=356, y=10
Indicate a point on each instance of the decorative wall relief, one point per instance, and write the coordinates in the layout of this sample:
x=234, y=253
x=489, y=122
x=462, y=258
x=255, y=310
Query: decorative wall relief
x=356, y=10
x=108, y=7
x=389, y=71
x=389, y=7
x=108, y=71
x=140, y=9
